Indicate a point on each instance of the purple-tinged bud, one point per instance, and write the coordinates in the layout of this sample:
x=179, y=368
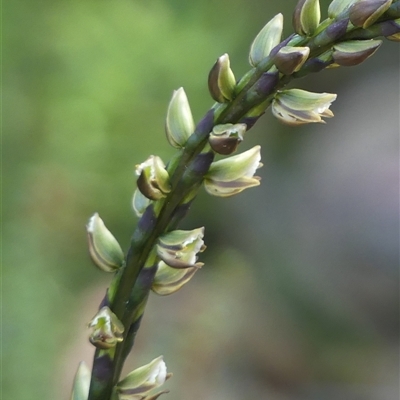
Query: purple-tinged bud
x=266, y=40
x=354, y=52
x=291, y=59
x=306, y=17
x=153, y=179
x=107, y=329
x=221, y=80
x=224, y=139
x=365, y=12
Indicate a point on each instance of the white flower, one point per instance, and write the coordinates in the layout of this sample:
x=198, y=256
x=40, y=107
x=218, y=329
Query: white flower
x=234, y=174
x=179, y=249
x=297, y=107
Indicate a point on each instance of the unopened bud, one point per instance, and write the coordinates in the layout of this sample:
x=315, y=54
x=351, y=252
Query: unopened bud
x=266, y=40
x=153, y=179
x=104, y=249
x=306, y=17
x=80, y=389
x=107, y=329
x=365, y=12
x=224, y=139
x=290, y=59
x=179, y=124
x=221, y=80
x=354, y=52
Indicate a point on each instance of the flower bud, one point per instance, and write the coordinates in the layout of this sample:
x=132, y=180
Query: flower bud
x=107, y=329
x=139, y=202
x=306, y=17
x=179, y=249
x=153, y=179
x=338, y=6
x=169, y=280
x=221, y=80
x=104, y=249
x=234, y=174
x=297, y=107
x=224, y=139
x=365, y=12
x=290, y=59
x=179, y=124
x=142, y=380
x=266, y=40
x=80, y=389
x=354, y=52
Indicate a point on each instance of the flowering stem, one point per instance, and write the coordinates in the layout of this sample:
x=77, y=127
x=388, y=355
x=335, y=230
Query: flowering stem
x=187, y=169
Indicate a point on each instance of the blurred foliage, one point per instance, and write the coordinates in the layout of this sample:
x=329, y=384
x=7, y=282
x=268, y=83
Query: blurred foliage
x=298, y=294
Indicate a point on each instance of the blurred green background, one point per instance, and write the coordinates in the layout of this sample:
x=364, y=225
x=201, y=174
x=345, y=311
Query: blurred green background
x=298, y=298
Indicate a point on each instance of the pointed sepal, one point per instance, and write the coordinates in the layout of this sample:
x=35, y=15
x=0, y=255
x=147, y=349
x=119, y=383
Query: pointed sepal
x=297, y=107
x=224, y=139
x=232, y=175
x=354, y=52
x=80, y=389
x=266, y=40
x=179, y=124
x=221, y=80
x=104, y=249
x=107, y=329
x=306, y=17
